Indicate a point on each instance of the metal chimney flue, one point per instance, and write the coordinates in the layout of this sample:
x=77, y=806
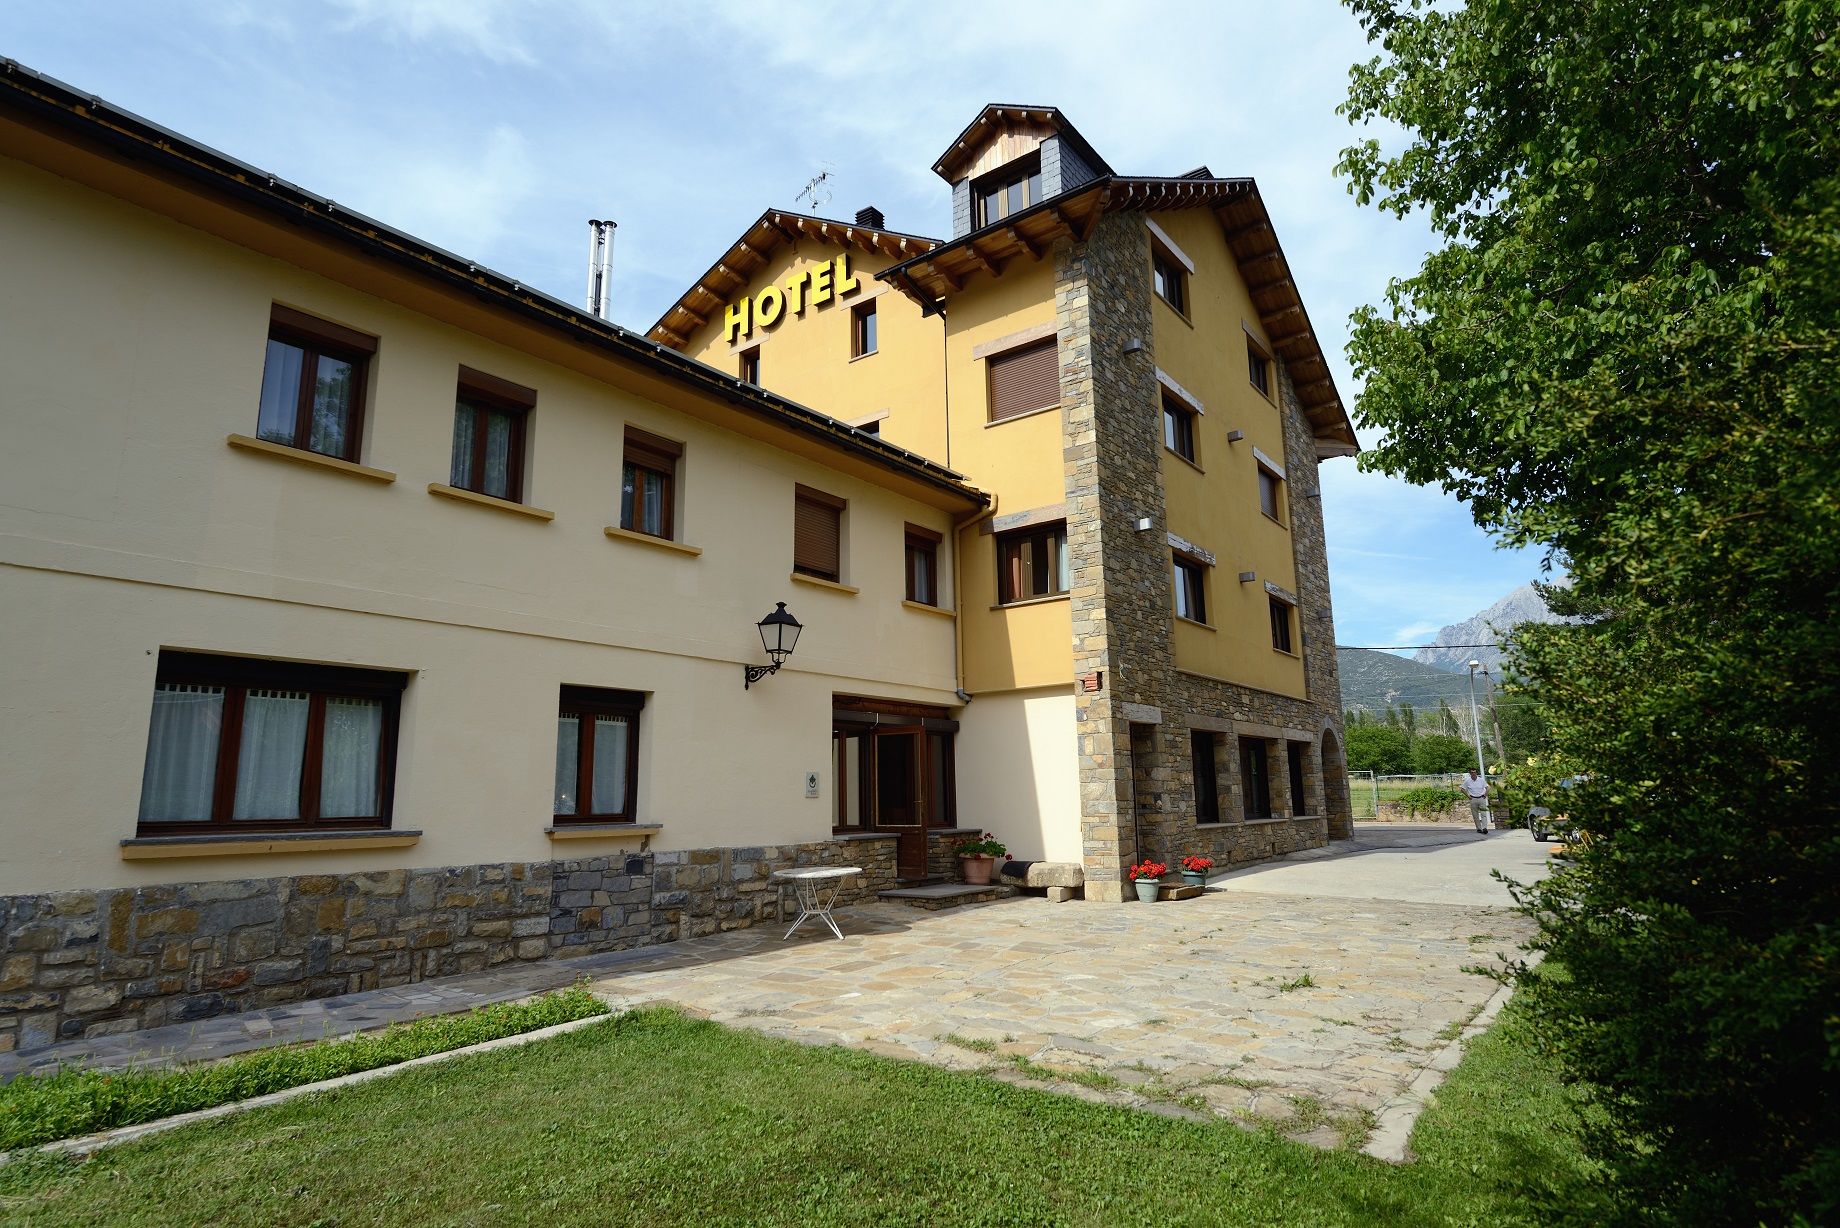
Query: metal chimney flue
x=870, y=216
x=600, y=265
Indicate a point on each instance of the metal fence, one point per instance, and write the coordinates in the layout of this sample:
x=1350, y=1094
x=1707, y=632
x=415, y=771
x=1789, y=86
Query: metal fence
x=1367, y=791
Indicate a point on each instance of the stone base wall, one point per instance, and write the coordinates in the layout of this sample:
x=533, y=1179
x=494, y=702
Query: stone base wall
x=942, y=850
x=98, y=962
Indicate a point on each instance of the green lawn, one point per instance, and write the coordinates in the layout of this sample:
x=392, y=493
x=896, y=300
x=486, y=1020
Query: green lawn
x=656, y=1119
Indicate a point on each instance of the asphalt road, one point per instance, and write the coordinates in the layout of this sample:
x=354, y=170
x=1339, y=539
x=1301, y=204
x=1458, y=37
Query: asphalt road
x=1446, y=864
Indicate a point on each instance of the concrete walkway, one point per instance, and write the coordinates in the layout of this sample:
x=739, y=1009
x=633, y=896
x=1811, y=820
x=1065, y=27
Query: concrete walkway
x=1307, y=995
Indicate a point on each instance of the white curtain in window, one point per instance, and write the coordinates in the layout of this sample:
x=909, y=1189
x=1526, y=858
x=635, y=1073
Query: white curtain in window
x=348, y=759
x=331, y=406
x=460, y=467
x=1061, y=564
x=609, y=765
x=498, y=455
x=269, y=760
x=568, y=761
x=181, y=766
x=654, y=503
x=280, y=393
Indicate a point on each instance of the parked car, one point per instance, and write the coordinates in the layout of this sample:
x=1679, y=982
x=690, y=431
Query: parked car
x=1547, y=824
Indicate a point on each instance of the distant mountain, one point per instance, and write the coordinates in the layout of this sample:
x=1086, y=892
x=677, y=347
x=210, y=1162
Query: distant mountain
x=1376, y=681
x=1523, y=605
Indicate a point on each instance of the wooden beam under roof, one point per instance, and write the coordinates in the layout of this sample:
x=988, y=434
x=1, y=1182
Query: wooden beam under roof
x=1092, y=220
x=982, y=261
x=1033, y=251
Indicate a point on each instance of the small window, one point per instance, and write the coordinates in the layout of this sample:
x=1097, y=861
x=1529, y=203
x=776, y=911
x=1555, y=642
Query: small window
x=1294, y=752
x=597, y=755
x=1207, y=780
x=1024, y=380
x=1281, y=625
x=1271, y=494
x=490, y=419
x=817, y=534
x=648, y=484
x=1178, y=427
x=1258, y=367
x=1170, y=279
x=313, y=384
x=922, y=565
x=1255, y=777
x=240, y=745
x=1008, y=190
x=1032, y=563
x=1191, y=588
x=750, y=365
x=862, y=330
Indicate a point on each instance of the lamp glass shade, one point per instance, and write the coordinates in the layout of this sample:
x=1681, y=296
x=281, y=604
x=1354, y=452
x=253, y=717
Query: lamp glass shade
x=779, y=633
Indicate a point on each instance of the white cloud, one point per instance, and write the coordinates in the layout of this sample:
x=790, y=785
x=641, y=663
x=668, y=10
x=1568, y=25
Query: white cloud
x=486, y=27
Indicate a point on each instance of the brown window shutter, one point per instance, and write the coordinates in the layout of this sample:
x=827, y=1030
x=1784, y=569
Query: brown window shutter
x=817, y=534
x=1024, y=379
x=652, y=451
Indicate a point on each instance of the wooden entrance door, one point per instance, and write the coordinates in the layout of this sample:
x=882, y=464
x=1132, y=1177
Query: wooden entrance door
x=900, y=801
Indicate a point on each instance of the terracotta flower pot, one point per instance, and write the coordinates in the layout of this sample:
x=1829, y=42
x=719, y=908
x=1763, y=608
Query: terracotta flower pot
x=977, y=868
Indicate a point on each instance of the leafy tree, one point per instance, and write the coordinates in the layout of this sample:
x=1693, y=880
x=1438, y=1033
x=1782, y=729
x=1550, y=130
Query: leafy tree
x=1408, y=719
x=1440, y=752
x=1384, y=749
x=1625, y=349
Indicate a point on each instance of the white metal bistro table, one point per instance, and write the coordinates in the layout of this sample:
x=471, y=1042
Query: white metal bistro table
x=817, y=888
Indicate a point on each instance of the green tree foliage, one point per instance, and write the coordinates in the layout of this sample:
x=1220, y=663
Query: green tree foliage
x=1374, y=747
x=1625, y=348
x=1440, y=752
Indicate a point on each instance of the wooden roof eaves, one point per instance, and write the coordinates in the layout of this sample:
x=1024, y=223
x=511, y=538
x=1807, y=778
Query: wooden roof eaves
x=960, y=146
x=771, y=230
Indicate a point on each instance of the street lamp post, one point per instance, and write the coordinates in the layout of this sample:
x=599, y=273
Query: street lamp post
x=1475, y=721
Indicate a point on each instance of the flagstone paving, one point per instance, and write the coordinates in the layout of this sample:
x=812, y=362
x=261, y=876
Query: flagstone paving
x=1306, y=1013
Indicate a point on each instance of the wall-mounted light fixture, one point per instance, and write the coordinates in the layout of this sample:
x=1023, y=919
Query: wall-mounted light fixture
x=779, y=634
x=1134, y=345
x=1247, y=577
x=1235, y=436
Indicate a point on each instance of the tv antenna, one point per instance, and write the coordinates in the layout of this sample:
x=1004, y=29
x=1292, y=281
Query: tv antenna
x=815, y=192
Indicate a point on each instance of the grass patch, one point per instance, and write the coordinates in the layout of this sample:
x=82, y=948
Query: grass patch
x=43, y=1108
x=655, y=1119
x=973, y=1043
x=1096, y=1079
x=1303, y=982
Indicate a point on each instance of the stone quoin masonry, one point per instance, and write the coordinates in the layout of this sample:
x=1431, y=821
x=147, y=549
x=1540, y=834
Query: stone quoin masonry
x=375, y=618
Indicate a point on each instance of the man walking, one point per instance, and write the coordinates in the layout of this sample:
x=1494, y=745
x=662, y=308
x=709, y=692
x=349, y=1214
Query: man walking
x=1476, y=788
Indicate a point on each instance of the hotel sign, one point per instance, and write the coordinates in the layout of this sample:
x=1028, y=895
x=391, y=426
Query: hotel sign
x=813, y=287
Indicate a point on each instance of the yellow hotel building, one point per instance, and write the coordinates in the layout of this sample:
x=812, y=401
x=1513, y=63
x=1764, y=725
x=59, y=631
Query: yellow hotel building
x=374, y=617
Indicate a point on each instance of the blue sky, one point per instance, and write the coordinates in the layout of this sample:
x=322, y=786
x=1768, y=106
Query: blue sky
x=496, y=128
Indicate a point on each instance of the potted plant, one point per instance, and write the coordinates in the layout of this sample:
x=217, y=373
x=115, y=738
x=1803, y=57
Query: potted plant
x=1147, y=875
x=976, y=858
x=1194, y=870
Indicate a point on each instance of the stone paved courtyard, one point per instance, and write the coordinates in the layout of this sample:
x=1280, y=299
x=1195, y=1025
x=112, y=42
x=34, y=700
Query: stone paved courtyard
x=1306, y=1012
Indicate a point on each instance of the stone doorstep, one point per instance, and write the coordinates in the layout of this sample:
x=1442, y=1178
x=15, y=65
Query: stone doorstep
x=947, y=895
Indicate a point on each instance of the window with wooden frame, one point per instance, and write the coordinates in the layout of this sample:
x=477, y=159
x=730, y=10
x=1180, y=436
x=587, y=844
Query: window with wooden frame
x=1271, y=494
x=597, y=755
x=750, y=365
x=1169, y=279
x=313, y=378
x=1024, y=379
x=1179, y=427
x=1007, y=190
x=1281, y=625
x=1191, y=588
x=862, y=329
x=648, y=484
x=491, y=420
x=1255, y=777
x=1205, y=772
x=1258, y=367
x=1032, y=563
x=817, y=534
x=239, y=745
x=923, y=565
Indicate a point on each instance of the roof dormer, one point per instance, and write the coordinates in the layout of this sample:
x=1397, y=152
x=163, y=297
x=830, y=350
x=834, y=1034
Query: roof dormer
x=1011, y=157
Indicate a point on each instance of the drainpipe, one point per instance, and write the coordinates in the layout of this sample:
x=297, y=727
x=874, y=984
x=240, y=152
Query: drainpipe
x=958, y=592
